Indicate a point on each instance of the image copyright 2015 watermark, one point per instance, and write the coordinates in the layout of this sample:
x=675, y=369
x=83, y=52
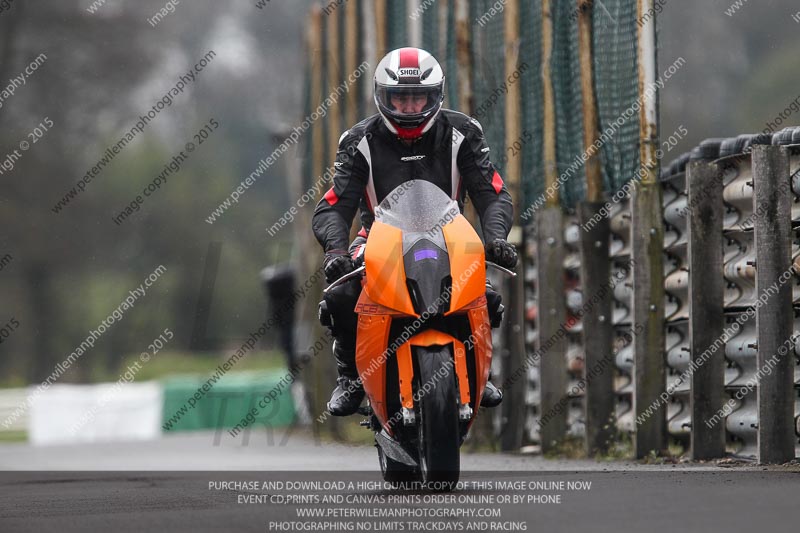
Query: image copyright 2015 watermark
x=5, y=260
x=12, y=158
x=111, y=152
x=308, y=197
x=128, y=376
x=88, y=343
x=752, y=383
x=8, y=328
x=626, y=190
x=171, y=168
x=20, y=80
x=320, y=112
x=246, y=347
x=161, y=14
x=606, y=135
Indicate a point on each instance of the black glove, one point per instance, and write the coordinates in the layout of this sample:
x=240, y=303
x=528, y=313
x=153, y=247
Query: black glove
x=337, y=264
x=358, y=261
x=502, y=253
x=357, y=249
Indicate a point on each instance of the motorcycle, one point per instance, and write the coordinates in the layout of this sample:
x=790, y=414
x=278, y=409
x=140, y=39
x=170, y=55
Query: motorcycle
x=424, y=341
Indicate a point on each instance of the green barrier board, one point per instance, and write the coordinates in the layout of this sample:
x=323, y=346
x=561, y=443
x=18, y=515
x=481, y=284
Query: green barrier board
x=224, y=403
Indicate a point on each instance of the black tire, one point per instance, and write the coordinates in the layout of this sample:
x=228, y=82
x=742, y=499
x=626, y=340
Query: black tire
x=437, y=419
x=394, y=472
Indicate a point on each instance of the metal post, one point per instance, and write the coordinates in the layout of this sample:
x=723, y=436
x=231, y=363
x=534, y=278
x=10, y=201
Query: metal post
x=442, y=12
x=316, y=58
x=594, y=177
x=595, y=265
x=463, y=56
x=550, y=262
x=513, y=415
x=320, y=375
x=549, y=115
x=369, y=51
x=597, y=329
x=647, y=238
x=706, y=318
x=647, y=243
x=414, y=23
x=351, y=61
x=380, y=29
x=334, y=78
x=513, y=112
x=552, y=343
x=463, y=78
x=774, y=317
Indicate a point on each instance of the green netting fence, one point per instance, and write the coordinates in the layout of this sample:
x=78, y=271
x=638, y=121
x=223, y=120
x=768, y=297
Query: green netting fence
x=450, y=59
x=532, y=104
x=616, y=85
x=566, y=77
x=396, y=21
x=430, y=31
x=615, y=80
x=488, y=75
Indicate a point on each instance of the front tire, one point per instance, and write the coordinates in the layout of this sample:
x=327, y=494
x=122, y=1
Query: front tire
x=438, y=439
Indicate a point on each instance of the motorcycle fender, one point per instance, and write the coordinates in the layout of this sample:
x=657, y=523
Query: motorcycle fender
x=406, y=368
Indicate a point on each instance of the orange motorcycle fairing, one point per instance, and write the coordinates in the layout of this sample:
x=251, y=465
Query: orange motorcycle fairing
x=467, y=263
x=385, y=273
x=482, y=346
x=372, y=339
x=474, y=304
x=367, y=306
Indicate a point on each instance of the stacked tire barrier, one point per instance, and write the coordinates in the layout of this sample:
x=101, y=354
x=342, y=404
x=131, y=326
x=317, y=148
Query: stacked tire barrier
x=620, y=255
x=575, y=357
x=531, y=332
x=676, y=312
x=755, y=402
x=731, y=223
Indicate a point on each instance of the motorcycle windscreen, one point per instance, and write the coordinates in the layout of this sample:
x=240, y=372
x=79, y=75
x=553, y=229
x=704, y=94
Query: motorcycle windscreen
x=437, y=243
x=417, y=206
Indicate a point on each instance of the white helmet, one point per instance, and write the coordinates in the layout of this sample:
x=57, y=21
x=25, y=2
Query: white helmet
x=410, y=74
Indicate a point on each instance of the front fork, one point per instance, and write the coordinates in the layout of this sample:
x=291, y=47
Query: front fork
x=405, y=369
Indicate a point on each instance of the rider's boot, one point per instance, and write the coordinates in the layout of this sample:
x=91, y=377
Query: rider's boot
x=491, y=395
x=347, y=396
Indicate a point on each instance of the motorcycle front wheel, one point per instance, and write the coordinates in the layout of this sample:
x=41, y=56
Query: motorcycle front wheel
x=438, y=439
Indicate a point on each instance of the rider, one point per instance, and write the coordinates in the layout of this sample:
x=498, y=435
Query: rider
x=411, y=137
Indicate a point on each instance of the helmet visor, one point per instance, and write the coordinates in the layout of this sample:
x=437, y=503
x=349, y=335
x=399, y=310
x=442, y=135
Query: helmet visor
x=408, y=102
